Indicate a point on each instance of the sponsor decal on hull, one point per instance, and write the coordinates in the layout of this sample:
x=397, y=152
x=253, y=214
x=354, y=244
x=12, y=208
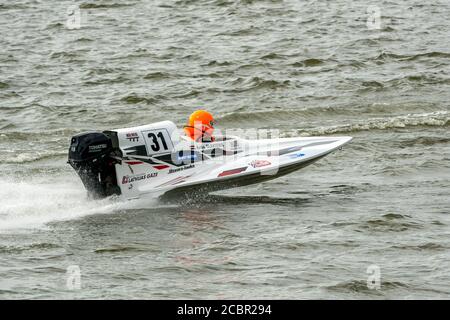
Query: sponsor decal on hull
x=182, y=168
x=260, y=163
x=138, y=177
x=296, y=155
x=132, y=136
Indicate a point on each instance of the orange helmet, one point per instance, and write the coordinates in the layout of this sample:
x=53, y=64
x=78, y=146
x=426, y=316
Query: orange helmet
x=200, y=124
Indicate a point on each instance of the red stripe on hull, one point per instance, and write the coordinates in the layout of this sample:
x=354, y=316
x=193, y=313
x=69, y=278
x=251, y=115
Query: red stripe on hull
x=232, y=171
x=133, y=162
x=161, y=167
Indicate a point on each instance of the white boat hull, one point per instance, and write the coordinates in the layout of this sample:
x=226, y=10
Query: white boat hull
x=155, y=160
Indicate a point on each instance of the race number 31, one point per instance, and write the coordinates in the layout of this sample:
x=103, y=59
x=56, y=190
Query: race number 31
x=157, y=141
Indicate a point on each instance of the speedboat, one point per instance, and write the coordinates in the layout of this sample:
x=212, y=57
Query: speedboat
x=156, y=159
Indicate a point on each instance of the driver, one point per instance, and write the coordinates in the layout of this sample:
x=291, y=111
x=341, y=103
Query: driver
x=200, y=126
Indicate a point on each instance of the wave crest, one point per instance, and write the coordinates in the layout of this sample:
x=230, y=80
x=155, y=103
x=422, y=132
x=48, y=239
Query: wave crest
x=424, y=120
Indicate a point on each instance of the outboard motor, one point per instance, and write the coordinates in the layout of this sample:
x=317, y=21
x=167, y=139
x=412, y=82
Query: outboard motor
x=90, y=156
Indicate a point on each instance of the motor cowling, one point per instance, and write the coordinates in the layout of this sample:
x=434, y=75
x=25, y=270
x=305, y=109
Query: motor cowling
x=90, y=156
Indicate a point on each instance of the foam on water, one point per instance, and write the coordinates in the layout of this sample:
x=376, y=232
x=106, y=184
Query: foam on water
x=13, y=157
x=33, y=203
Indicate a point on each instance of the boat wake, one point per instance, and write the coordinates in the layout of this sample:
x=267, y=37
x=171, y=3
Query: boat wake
x=33, y=203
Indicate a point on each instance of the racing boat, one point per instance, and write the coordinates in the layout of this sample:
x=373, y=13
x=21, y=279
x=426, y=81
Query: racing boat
x=155, y=159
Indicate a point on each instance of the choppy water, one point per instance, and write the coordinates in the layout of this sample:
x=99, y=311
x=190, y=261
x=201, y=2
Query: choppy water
x=303, y=67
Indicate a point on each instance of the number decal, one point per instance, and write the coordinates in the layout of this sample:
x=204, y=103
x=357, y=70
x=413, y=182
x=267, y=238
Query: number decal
x=158, y=141
x=161, y=136
x=155, y=146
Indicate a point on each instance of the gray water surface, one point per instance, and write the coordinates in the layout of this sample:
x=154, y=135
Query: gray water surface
x=302, y=67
